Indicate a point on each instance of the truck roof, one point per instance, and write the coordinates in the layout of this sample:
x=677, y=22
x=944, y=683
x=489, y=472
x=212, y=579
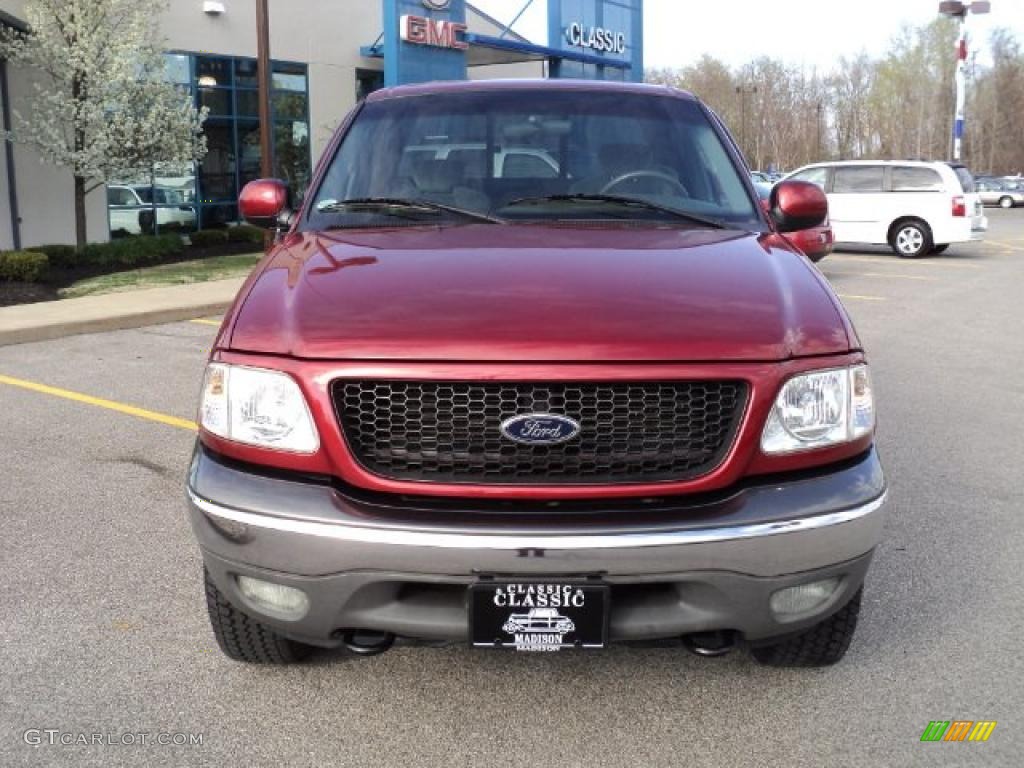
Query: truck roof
x=457, y=86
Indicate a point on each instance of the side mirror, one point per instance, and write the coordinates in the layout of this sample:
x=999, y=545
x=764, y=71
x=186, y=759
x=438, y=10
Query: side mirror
x=264, y=203
x=796, y=205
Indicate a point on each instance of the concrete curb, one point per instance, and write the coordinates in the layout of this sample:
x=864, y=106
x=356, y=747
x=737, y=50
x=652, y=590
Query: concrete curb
x=115, y=311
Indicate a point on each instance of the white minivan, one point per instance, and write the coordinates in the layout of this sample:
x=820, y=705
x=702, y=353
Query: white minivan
x=915, y=207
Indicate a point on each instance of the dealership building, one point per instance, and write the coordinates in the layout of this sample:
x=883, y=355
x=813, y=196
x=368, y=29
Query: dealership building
x=326, y=56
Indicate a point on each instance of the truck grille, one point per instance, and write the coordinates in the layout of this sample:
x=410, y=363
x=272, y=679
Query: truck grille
x=450, y=432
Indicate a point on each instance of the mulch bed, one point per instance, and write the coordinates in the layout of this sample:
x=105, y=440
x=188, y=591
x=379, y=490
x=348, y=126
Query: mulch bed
x=28, y=293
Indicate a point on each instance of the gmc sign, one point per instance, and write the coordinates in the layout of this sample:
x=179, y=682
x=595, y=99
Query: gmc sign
x=424, y=31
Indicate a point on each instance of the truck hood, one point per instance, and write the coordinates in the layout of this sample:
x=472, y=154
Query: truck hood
x=526, y=292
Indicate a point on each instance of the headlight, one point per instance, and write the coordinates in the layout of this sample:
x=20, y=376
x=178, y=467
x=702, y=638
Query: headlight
x=819, y=409
x=258, y=407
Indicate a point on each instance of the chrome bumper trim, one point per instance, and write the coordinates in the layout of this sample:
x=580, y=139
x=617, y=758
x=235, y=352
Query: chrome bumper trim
x=519, y=541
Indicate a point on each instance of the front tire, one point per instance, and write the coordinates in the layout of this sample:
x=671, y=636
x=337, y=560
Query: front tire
x=1006, y=202
x=911, y=239
x=822, y=645
x=242, y=638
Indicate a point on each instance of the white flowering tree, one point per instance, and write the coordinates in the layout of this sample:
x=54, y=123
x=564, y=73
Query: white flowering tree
x=102, y=107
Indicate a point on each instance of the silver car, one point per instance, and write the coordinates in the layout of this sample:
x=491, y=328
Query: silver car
x=1005, y=194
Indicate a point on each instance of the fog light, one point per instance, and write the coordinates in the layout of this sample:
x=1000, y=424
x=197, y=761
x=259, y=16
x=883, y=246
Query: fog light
x=803, y=597
x=275, y=600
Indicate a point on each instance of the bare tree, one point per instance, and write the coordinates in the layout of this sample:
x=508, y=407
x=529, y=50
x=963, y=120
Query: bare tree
x=896, y=106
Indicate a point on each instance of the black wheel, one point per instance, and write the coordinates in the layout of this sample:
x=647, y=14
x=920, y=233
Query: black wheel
x=936, y=250
x=242, y=638
x=821, y=645
x=911, y=239
x=1006, y=202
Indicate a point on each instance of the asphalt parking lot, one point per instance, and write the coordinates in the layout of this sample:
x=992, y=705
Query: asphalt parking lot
x=103, y=625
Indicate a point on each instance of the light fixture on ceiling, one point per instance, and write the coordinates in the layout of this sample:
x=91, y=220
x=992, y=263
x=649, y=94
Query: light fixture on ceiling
x=213, y=7
x=207, y=81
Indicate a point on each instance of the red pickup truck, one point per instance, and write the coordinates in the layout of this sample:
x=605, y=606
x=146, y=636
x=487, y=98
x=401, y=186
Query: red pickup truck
x=591, y=380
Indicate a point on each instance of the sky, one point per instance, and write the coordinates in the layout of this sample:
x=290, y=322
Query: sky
x=812, y=33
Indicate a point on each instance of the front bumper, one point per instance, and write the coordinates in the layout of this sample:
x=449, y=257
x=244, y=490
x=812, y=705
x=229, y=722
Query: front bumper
x=685, y=566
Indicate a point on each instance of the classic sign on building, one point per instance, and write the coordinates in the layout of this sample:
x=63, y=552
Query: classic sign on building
x=596, y=38
x=604, y=38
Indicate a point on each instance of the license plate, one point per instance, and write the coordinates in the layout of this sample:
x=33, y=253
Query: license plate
x=538, y=616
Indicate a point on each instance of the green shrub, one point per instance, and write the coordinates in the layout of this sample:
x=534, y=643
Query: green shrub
x=133, y=251
x=245, y=233
x=207, y=237
x=60, y=256
x=120, y=252
x=163, y=247
x=23, y=266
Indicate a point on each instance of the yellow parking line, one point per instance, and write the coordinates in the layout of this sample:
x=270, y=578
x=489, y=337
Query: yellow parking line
x=936, y=262
x=204, y=321
x=860, y=297
x=99, y=402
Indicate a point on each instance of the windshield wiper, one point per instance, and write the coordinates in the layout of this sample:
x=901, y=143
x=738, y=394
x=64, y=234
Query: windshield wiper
x=622, y=200
x=394, y=204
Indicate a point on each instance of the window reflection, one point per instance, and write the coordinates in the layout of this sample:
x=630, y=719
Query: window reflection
x=248, y=152
x=289, y=77
x=217, y=180
x=206, y=196
x=291, y=156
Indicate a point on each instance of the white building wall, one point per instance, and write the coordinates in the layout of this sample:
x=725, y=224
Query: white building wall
x=519, y=70
x=46, y=193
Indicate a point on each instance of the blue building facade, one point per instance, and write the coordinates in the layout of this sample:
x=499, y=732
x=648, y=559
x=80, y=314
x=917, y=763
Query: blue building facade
x=424, y=40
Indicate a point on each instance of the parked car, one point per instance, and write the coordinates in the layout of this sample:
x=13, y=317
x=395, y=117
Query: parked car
x=916, y=208
x=814, y=242
x=443, y=399
x=131, y=208
x=1005, y=194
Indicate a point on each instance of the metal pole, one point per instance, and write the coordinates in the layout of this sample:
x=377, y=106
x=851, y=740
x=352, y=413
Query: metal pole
x=817, y=125
x=152, y=196
x=743, y=118
x=263, y=71
x=961, y=89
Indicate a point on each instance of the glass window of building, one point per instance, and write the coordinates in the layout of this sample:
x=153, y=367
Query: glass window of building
x=206, y=196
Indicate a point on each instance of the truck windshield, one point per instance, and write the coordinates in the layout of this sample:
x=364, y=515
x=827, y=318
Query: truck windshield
x=535, y=154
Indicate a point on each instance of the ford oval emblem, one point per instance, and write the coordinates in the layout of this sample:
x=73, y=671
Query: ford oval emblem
x=540, y=428
x=437, y=5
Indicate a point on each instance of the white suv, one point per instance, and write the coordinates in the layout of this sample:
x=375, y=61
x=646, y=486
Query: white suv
x=917, y=208
x=130, y=207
